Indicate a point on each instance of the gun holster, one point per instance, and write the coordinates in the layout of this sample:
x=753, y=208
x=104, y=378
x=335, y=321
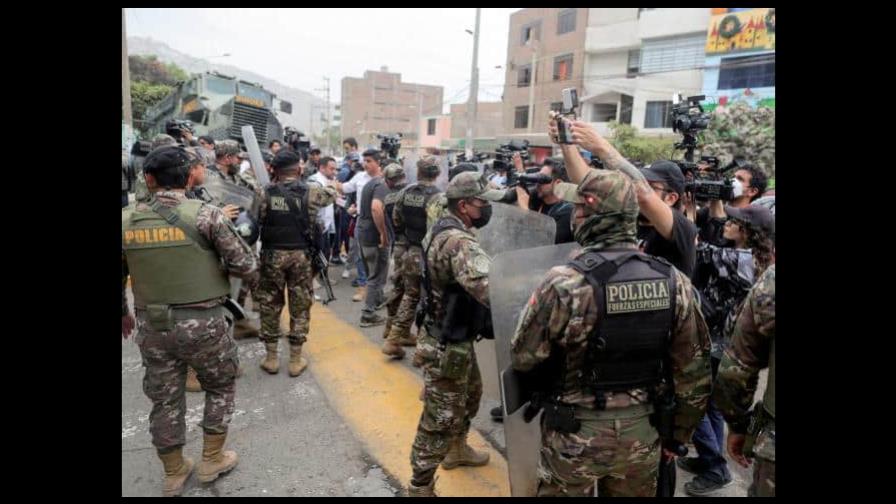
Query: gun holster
x=160, y=317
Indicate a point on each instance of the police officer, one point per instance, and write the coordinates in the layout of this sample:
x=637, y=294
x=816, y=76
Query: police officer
x=173, y=249
x=227, y=166
x=409, y=217
x=395, y=181
x=456, y=269
x=602, y=332
x=752, y=349
x=287, y=212
x=141, y=189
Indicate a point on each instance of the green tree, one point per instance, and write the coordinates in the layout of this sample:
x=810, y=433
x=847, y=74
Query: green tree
x=637, y=148
x=151, y=81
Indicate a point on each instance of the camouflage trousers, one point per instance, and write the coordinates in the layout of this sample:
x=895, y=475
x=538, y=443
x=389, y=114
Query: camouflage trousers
x=250, y=287
x=764, y=464
x=448, y=407
x=411, y=271
x=204, y=343
x=396, y=278
x=290, y=269
x=616, y=449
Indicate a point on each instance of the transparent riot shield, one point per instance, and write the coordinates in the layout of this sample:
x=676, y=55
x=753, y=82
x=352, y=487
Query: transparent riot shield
x=226, y=193
x=512, y=228
x=513, y=277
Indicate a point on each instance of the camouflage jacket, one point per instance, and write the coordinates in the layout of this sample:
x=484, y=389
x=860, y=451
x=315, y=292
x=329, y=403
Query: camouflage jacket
x=751, y=343
x=436, y=209
x=237, y=258
x=454, y=256
x=562, y=313
x=242, y=181
x=318, y=198
x=724, y=276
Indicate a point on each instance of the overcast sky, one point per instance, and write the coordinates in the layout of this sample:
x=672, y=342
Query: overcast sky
x=298, y=47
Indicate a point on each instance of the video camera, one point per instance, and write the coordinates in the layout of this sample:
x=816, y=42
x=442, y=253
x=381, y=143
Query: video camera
x=298, y=142
x=477, y=157
x=707, y=182
x=176, y=127
x=504, y=154
x=390, y=144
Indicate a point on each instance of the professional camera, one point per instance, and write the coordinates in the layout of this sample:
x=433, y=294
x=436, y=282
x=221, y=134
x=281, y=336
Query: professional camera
x=176, y=127
x=685, y=119
x=706, y=181
x=390, y=144
x=477, y=157
x=504, y=154
x=297, y=141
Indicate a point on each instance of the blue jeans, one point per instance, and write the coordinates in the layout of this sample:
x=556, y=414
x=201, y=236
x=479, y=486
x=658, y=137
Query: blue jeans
x=709, y=440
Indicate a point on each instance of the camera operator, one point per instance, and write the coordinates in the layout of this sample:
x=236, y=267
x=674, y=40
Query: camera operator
x=749, y=185
x=546, y=202
x=275, y=146
x=724, y=276
x=659, y=188
x=182, y=131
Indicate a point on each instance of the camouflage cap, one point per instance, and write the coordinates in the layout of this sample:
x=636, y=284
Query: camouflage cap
x=226, y=148
x=161, y=140
x=471, y=185
x=601, y=190
x=393, y=171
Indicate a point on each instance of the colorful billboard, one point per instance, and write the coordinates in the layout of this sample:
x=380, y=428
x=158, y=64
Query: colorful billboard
x=732, y=32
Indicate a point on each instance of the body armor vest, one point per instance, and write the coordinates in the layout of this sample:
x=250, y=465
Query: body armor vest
x=286, y=222
x=416, y=197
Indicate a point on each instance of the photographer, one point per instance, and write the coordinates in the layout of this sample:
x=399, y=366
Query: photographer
x=749, y=185
x=666, y=231
x=546, y=202
x=182, y=131
x=724, y=276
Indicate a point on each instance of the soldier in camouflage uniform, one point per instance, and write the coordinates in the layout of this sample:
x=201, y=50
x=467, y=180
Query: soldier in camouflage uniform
x=395, y=181
x=603, y=380
x=455, y=263
x=178, y=253
x=287, y=213
x=410, y=219
x=752, y=349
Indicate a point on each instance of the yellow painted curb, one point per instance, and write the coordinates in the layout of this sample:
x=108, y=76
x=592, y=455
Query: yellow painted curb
x=379, y=400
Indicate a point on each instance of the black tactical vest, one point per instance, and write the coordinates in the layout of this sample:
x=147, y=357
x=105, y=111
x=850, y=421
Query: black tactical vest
x=416, y=197
x=635, y=297
x=286, y=223
x=391, y=198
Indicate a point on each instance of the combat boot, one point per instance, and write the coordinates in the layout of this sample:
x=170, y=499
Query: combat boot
x=407, y=340
x=422, y=491
x=271, y=362
x=177, y=470
x=192, y=382
x=417, y=361
x=393, y=349
x=460, y=454
x=215, y=460
x=297, y=363
x=387, y=328
x=360, y=293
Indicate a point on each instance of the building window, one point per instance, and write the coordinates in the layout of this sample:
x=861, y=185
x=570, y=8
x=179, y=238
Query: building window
x=524, y=76
x=566, y=21
x=675, y=53
x=747, y=72
x=431, y=127
x=531, y=31
x=603, y=112
x=626, y=103
x=563, y=67
x=634, y=62
x=521, y=117
x=658, y=114
x=557, y=106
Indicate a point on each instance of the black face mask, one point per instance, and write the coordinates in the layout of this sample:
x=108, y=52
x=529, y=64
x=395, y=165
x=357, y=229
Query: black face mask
x=485, y=214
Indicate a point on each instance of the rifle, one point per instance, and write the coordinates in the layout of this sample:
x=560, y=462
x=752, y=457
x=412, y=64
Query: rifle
x=320, y=265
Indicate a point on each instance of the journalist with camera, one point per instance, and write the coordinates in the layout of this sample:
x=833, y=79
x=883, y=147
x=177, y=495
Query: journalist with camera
x=535, y=191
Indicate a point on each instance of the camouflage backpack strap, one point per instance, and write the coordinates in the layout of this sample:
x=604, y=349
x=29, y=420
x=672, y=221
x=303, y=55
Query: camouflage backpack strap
x=172, y=218
x=440, y=226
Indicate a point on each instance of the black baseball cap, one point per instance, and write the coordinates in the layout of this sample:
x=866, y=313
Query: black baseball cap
x=666, y=172
x=285, y=158
x=756, y=215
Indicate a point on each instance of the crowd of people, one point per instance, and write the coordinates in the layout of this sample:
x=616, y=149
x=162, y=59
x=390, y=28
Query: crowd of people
x=669, y=297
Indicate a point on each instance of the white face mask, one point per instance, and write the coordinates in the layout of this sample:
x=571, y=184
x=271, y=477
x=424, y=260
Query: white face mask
x=738, y=188
x=245, y=166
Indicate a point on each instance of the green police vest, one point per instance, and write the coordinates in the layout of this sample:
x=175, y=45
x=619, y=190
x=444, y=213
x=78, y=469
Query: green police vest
x=166, y=265
x=768, y=400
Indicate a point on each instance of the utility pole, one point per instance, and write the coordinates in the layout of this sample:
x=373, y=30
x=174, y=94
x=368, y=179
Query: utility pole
x=474, y=91
x=125, y=74
x=532, y=85
x=327, y=129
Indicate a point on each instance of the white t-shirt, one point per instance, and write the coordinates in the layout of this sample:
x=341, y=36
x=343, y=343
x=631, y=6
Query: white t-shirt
x=325, y=215
x=356, y=184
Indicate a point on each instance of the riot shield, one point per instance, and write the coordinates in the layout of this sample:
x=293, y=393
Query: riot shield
x=226, y=193
x=512, y=228
x=255, y=159
x=410, y=170
x=513, y=277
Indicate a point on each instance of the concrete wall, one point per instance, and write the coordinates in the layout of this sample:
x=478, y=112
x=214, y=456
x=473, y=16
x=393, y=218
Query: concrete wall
x=670, y=22
x=443, y=131
x=488, y=119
